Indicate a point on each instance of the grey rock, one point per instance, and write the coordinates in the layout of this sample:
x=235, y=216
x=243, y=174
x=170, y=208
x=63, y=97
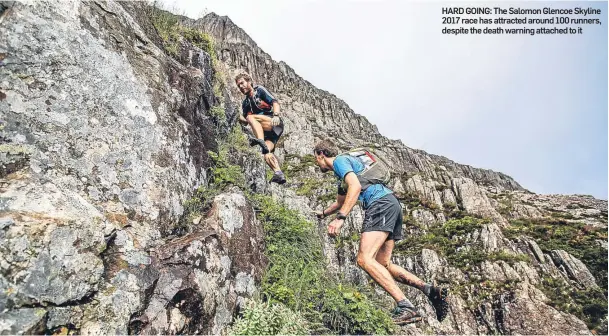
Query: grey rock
x=6, y=222
x=244, y=284
x=54, y=257
x=398, y=187
x=63, y=316
x=448, y=198
x=188, y=284
x=475, y=201
x=491, y=237
x=24, y=321
x=536, y=251
x=425, y=218
x=62, y=274
x=83, y=85
x=107, y=65
x=528, y=273
x=575, y=268
x=569, y=208
x=230, y=220
x=426, y=189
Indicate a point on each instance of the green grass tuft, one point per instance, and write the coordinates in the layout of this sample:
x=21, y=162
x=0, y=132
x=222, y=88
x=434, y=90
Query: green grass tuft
x=297, y=276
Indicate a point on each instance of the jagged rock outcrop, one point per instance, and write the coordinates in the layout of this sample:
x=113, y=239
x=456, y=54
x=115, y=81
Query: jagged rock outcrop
x=482, y=309
x=571, y=208
x=104, y=137
x=474, y=200
x=574, y=268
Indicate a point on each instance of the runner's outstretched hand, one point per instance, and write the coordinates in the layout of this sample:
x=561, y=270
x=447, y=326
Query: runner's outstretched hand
x=334, y=227
x=275, y=121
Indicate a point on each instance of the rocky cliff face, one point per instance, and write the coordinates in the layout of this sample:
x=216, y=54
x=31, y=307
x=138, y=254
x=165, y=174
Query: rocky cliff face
x=104, y=137
x=108, y=122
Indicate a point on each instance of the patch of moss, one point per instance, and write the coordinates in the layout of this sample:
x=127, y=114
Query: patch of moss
x=506, y=206
x=441, y=187
x=223, y=174
x=466, y=259
x=478, y=292
x=348, y=240
x=218, y=113
x=167, y=26
x=410, y=200
x=291, y=169
x=454, y=212
x=200, y=39
x=238, y=141
x=429, y=205
x=589, y=305
x=218, y=88
x=309, y=185
x=561, y=214
x=493, y=196
x=324, y=198
x=451, y=241
x=171, y=31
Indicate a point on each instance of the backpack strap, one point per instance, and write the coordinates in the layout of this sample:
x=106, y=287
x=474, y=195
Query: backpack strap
x=252, y=104
x=355, y=153
x=375, y=169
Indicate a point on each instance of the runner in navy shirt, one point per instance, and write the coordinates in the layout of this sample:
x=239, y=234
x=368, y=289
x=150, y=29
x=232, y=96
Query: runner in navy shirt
x=261, y=111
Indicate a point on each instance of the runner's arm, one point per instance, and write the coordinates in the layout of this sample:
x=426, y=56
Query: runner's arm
x=340, y=200
x=276, y=109
x=352, y=193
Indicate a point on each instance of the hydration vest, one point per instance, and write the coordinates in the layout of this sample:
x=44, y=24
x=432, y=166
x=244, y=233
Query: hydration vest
x=376, y=171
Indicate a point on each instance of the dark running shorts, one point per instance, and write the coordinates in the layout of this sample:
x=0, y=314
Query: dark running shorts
x=274, y=134
x=385, y=214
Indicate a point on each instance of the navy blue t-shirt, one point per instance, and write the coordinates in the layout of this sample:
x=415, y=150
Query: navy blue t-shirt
x=344, y=164
x=262, y=102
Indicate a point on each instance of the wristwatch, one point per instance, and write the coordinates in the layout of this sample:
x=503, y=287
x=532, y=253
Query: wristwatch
x=341, y=216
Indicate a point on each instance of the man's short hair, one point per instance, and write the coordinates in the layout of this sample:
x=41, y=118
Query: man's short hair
x=245, y=76
x=327, y=148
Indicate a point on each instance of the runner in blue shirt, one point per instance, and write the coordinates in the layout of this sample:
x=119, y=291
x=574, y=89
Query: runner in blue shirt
x=382, y=227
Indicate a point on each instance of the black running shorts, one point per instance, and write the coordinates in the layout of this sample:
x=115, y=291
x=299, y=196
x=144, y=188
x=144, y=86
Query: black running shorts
x=274, y=134
x=385, y=214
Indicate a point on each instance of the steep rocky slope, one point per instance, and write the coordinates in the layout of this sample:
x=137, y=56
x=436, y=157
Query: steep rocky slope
x=505, y=282
x=130, y=203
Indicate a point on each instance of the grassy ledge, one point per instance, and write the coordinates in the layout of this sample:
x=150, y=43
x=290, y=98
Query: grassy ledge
x=297, y=294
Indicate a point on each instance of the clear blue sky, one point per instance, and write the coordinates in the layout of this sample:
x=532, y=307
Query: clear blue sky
x=533, y=107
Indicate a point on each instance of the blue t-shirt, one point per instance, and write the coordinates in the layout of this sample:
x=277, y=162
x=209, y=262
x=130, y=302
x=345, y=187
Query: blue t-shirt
x=260, y=103
x=344, y=164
